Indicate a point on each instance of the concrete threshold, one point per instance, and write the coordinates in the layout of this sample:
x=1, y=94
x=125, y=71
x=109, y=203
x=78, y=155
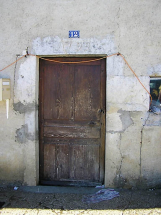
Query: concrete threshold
x=59, y=189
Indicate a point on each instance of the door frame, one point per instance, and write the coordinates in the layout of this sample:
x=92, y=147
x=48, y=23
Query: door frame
x=103, y=133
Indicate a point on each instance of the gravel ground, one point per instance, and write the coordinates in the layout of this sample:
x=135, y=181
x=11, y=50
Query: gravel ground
x=45, y=202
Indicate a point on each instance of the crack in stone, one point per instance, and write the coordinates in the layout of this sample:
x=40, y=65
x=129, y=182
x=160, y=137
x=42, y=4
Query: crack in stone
x=121, y=158
x=141, y=142
x=118, y=25
x=119, y=181
x=141, y=151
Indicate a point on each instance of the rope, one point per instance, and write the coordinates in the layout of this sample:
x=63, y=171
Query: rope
x=137, y=77
x=67, y=62
x=76, y=62
x=12, y=63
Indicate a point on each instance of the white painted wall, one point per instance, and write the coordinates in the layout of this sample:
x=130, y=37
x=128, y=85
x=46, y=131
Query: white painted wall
x=132, y=28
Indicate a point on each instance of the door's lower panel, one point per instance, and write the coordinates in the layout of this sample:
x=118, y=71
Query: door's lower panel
x=70, y=162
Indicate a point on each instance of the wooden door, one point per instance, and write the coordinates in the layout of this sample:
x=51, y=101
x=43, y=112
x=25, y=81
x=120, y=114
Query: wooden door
x=72, y=121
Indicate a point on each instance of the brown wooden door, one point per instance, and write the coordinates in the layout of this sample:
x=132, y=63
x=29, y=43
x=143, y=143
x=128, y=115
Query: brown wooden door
x=72, y=121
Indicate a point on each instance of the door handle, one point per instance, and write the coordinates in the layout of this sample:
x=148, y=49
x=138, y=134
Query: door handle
x=91, y=123
x=100, y=111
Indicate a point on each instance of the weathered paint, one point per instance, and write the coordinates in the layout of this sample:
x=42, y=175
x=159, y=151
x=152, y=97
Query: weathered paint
x=133, y=134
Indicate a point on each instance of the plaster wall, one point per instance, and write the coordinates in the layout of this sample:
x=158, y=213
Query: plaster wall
x=133, y=146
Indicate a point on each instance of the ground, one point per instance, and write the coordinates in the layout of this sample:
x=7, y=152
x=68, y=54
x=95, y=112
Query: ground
x=68, y=200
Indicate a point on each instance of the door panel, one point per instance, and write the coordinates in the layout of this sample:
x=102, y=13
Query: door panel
x=85, y=162
x=72, y=121
x=72, y=131
x=58, y=99
x=87, y=92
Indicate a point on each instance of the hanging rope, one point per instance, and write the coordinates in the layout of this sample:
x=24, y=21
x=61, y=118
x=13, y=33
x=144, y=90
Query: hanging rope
x=12, y=63
x=87, y=61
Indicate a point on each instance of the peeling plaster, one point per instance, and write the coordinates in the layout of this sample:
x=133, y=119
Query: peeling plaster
x=116, y=125
x=22, y=134
x=125, y=119
x=23, y=108
x=153, y=119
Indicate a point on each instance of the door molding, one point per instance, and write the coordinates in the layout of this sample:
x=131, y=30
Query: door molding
x=103, y=80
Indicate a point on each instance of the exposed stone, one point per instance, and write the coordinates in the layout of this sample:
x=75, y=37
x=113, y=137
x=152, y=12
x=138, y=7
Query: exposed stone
x=22, y=134
x=125, y=119
x=23, y=108
x=153, y=119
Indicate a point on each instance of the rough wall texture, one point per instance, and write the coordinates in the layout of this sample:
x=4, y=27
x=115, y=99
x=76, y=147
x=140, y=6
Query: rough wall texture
x=133, y=145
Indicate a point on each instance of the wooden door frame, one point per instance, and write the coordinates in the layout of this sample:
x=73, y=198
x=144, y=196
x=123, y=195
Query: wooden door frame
x=103, y=131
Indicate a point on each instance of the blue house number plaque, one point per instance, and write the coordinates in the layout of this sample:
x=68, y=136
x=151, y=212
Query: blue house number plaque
x=74, y=34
